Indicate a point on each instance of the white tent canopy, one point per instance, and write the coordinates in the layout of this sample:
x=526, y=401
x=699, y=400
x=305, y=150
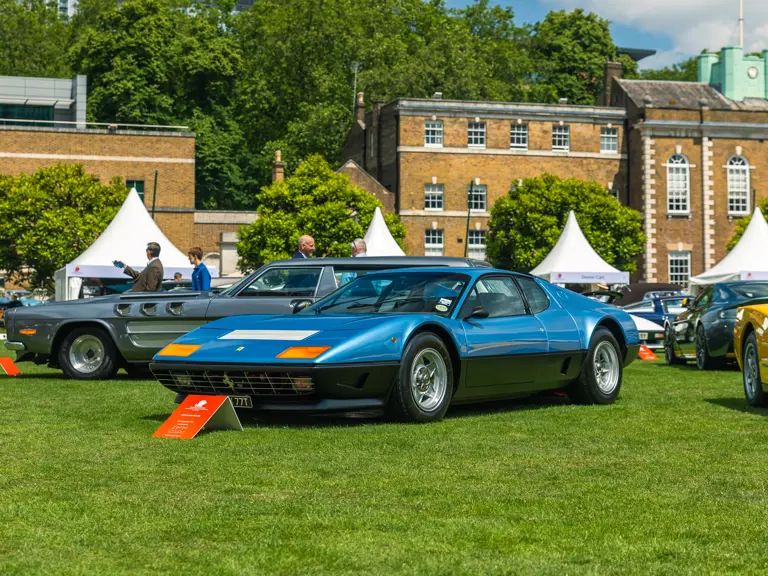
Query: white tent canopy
x=574, y=261
x=379, y=240
x=125, y=239
x=747, y=261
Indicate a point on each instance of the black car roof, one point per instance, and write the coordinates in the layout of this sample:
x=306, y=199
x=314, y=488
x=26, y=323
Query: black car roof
x=390, y=261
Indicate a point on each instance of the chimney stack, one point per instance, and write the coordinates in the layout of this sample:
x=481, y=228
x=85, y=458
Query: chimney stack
x=612, y=70
x=278, y=168
x=360, y=108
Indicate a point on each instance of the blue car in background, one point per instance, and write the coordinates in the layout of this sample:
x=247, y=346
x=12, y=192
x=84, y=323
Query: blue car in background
x=658, y=310
x=412, y=342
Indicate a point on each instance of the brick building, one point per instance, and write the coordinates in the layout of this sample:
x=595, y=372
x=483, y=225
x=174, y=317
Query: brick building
x=687, y=155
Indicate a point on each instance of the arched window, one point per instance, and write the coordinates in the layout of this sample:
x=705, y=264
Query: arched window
x=678, y=185
x=738, y=185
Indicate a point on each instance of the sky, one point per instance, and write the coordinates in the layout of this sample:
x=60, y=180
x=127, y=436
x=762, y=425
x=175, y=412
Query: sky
x=676, y=29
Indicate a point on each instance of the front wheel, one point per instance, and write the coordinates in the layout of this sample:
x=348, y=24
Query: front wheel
x=669, y=349
x=425, y=383
x=88, y=353
x=753, y=385
x=704, y=361
x=602, y=373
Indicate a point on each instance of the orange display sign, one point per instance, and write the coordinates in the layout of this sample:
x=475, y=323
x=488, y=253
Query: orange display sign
x=646, y=353
x=197, y=412
x=9, y=367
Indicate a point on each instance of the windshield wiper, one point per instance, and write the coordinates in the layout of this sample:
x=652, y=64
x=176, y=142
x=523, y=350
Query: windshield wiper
x=352, y=304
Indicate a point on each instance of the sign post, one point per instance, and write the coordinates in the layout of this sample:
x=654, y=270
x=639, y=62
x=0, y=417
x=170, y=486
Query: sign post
x=197, y=412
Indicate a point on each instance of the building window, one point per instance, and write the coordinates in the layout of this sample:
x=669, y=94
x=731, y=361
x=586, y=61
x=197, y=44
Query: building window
x=138, y=184
x=615, y=193
x=477, y=200
x=433, y=243
x=561, y=138
x=738, y=185
x=476, y=243
x=433, y=197
x=609, y=140
x=476, y=135
x=518, y=137
x=370, y=144
x=680, y=268
x=433, y=133
x=678, y=185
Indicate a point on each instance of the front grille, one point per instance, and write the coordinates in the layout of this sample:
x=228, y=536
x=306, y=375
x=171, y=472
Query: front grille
x=235, y=383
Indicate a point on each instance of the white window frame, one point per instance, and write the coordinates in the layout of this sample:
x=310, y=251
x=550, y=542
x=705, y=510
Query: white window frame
x=561, y=138
x=738, y=186
x=433, y=134
x=680, y=258
x=432, y=194
x=609, y=140
x=478, y=197
x=434, y=242
x=678, y=183
x=479, y=248
x=475, y=132
x=518, y=137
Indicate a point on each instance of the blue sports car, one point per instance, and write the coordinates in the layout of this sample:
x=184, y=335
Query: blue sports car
x=411, y=341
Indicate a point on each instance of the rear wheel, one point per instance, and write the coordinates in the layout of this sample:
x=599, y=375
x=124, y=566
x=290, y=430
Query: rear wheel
x=88, y=353
x=703, y=359
x=602, y=372
x=425, y=383
x=753, y=385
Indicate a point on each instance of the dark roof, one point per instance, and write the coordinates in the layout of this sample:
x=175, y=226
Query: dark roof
x=684, y=96
x=388, y=261
x=636, y=54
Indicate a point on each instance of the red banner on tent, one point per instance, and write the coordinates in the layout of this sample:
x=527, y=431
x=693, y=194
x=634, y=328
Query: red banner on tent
x=197, y=412
x=646, y=353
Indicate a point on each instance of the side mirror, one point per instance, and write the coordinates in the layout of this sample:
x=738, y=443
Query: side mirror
x=477, y=312
x=686, y=302
x=301, y=305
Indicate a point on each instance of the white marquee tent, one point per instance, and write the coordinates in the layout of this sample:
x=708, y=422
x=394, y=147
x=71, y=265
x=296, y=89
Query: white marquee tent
x=125, y=239
x=574, y=261
x=379, y=240
x=747, y=261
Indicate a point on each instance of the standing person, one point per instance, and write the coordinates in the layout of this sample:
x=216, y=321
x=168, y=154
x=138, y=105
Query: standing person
x=151, y=278
x=201, y=278
x=359, y=250
x=306, y=248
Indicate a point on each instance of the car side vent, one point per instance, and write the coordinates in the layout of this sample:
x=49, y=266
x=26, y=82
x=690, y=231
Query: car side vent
x=123, y=309
x=175, y=308
x=149, y=309
x=565, y=366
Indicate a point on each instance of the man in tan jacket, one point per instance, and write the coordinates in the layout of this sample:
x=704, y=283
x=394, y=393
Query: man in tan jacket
x=151, y=278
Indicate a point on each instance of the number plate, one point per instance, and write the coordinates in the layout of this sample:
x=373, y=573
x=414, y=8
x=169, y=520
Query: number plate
x=643, y=336
x=241, y=401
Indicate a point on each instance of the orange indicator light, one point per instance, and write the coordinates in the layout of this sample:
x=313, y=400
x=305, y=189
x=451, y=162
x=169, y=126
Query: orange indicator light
x=303, y=352
x=28, y=331
x=178, y=350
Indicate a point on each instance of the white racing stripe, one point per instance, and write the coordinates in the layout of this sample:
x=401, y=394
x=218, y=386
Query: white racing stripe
x=268, y=335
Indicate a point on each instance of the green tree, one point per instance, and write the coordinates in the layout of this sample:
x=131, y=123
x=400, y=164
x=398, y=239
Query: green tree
x=742, y=224
x=685, y=71
x=570, y=50
x=526, y=223
x=32, y=39
x=316, y=201
x=50, y=217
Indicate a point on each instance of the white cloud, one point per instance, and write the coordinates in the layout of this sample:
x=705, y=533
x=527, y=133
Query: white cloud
x=690, y=25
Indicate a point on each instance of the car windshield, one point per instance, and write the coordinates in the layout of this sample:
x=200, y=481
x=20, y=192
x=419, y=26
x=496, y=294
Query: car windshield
x=673, y=306
x=395, y=293
x=750, y=289
x=236, y=286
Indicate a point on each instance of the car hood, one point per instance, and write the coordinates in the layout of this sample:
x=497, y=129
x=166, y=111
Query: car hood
x=324, y=322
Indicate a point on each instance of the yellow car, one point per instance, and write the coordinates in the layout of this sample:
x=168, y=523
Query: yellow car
x=750, y=343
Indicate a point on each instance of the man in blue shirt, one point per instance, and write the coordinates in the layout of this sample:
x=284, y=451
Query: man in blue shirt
x=359, y=250
x=201, y=278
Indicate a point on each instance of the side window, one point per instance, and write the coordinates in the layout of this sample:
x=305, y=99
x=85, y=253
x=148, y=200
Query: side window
x=703, y=298
x=346, y=275
x=278, y=282
x=537, y=298
x=499, y=296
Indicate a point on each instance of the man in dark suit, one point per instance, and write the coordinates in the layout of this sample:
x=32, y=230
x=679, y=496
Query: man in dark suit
x=306, y=248
x=151, y=278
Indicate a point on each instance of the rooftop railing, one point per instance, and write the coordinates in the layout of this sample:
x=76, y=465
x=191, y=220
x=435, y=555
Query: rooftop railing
x=108, y=126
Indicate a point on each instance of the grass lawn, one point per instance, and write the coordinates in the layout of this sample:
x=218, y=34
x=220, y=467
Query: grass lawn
x=671, y=479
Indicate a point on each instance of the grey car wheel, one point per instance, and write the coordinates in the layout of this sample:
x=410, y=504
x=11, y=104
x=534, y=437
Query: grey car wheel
x=602, y=372
x=88, y=353
x=753, y=385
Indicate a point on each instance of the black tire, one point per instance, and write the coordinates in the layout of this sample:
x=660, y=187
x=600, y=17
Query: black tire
x=669, y=351
x=425, y=350
x=703, y=359
x=586, y=389
x=102, y=362
x=139, y=371
x=750, y=364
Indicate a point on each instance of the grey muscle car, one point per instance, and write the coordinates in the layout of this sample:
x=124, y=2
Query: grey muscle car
x=91, y=339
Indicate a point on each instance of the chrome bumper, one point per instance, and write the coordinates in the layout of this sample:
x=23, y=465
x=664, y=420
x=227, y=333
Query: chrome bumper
x=15, y=346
